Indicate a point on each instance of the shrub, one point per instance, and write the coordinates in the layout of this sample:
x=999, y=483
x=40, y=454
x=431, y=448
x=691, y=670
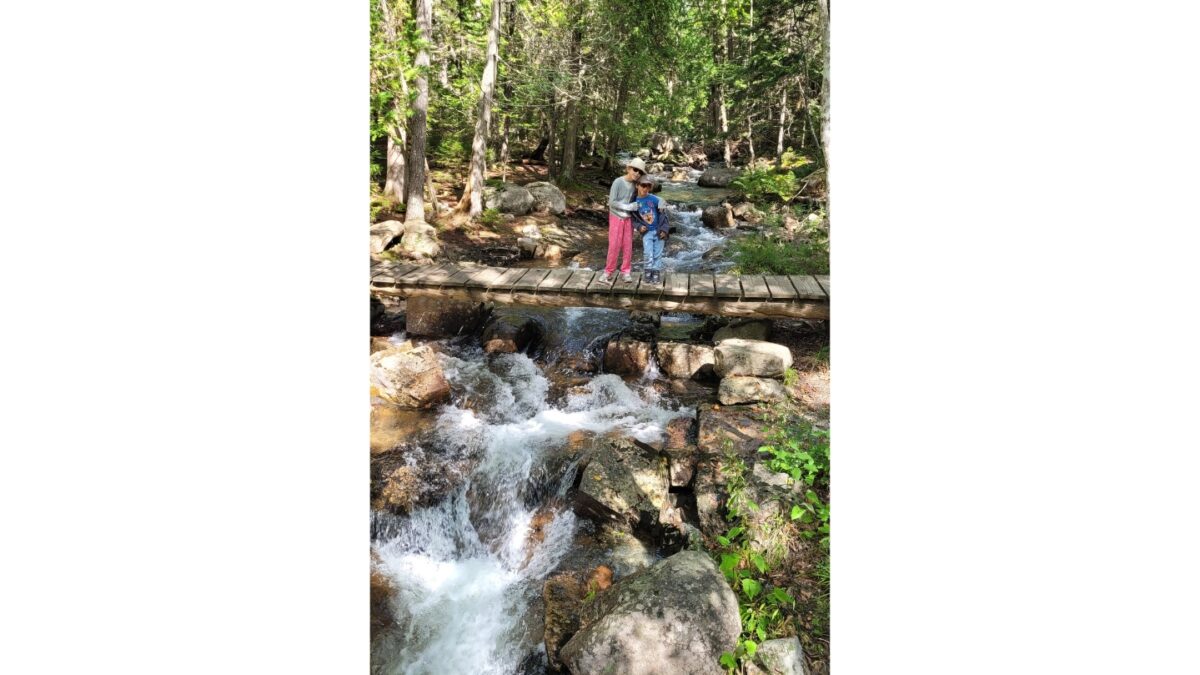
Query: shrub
x=765, y=183
x=490, y=218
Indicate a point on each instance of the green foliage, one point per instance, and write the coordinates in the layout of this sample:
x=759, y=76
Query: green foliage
x=764, y=183
x=756, y=254
x=763, y=610
x=801, y=450
x=490, y=218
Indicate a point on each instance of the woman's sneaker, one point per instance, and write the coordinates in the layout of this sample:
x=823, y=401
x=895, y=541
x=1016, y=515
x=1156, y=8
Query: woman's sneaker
x=607, y=278
x=627, y=278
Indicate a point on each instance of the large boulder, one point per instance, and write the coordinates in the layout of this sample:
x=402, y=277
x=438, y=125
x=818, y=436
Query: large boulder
x=755, y=358
x=428, y=316
x=685, y=361
x=382, y=235
x=737, y=428
x=718, y=217
x=508, y=334
x=420, y=241
x=715, y=176
x=677, y=616
x=746, y=329
x=410, y=378
x=563, y=595
x=627, y=357
x=749, y=213
x=548, y=196
x=509, y=198
x=740, y=389
x=622, y=485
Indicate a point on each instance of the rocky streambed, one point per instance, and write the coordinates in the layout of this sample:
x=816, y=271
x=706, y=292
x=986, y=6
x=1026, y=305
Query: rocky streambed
x=542, y=483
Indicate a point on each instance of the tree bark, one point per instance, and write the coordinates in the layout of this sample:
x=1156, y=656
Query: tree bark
x=571, y=135
x=614, y=138
x=415, y=212
x=397, y=170
x=472, y=199
x=782, y=128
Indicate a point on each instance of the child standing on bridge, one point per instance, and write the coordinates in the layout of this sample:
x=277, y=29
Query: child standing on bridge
x=654, y=226
x=620, y=228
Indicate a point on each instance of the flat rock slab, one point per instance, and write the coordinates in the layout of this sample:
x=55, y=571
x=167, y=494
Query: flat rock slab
x=753, y=358
x=622, y=484
x=682, y=360
x=740, y=389
x=677, y=616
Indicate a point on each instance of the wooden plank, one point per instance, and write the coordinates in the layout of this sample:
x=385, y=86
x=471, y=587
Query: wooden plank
x=599, y=285
x=460, y=277
x=780, y=288
x=579, y=281
x=823, y=279
x=700, y=286
x=410, y=279
x=753, y=287
x=438, y=276
x=628, y=287
x=484, y=276
x=531, y=280
x=555, y=279
x=807, y=287
x=392, y=270
x=727, y=285
x=675, y=284
x=508, y=278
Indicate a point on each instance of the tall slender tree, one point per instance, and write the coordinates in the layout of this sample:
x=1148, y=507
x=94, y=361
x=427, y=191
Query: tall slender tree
x=472, y=199
x=415, y=210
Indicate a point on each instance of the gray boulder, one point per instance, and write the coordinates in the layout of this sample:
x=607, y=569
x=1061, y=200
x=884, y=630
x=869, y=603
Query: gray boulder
x=677, y=616
x=782, y=656
x=739, y=389
x=509, y=198
x=438, y=318
x=682, y=360
x=408, y=377
x=755, y=358
x=717, y=217
x=622, y=485
x=717, y=177
x=746, y=329
x=548, y=196
x=382, y=234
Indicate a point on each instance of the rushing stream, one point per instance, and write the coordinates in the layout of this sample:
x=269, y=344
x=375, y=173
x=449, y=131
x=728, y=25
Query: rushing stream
x=467, y=570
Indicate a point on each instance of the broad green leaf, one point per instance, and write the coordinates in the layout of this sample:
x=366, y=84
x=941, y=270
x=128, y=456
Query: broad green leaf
x=751, y=647
x=759, y=562
x=751, y=588
x=728, y=660
x=796, y=512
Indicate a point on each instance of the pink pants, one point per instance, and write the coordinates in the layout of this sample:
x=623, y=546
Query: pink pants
x=620, y=240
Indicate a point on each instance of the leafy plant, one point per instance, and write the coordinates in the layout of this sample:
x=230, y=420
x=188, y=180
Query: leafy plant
x=490, y=218
x=762, y=255
x=765, y=183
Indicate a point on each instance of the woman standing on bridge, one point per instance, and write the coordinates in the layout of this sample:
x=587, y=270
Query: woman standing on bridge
x=620, y=227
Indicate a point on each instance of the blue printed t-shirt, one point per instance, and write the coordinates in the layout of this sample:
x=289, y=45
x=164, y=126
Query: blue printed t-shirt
x=650, y=212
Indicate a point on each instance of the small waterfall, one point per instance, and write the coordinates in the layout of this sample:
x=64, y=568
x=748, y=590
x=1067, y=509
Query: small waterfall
x=467, y=569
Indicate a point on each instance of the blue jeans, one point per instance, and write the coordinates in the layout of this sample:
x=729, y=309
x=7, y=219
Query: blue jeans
x=652, y=248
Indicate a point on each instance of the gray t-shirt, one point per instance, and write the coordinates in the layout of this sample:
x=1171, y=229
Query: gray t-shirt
x=621, y=192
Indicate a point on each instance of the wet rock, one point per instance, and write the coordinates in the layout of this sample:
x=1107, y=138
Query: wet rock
x=746, y=329
x=584, y=362
x=685, y=361
x=440, y=318
x=738, y=389
x=782, y=656
x=379, y=343
x=383, y=234
x=718, y=177
x=407, y=478
x=622, y=485
x=655, y=167
x=393, y=426
x=708, y=486
x=717, y=217
x=381, y=599
x=626, y=356
x=563, y=596
x=509, y=334
x=547, y=196
x=651, y=318
x=756, y=358
x=420, y=241
x=681, y=465
x=680, y=433
x=385, y=320
x=679, y=174
x=677, y=616
x=509, y=198
x=409, y=378
x=738, y=427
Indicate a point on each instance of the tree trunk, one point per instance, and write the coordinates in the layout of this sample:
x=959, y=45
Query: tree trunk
x=750, y=135
x=393, y=186
x=397, y=169
x=782, y=128
x=614, y=138
x=472, y=199
x=571, y=135
x=415, y=212
x=433, y=200
x=824, y=6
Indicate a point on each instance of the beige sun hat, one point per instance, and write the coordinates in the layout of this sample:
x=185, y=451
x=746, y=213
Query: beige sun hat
x=638, y=164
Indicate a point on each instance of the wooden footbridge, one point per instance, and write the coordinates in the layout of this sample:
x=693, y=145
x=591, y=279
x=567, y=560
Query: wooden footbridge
x=759, y=296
